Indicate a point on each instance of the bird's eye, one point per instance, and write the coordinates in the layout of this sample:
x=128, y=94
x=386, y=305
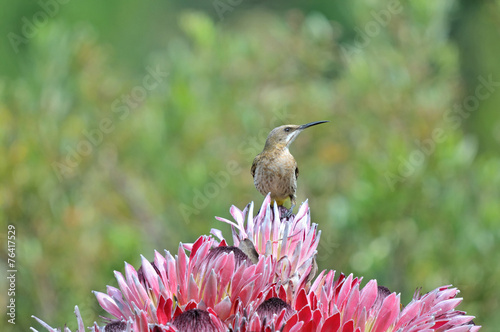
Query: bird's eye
x=287, y=129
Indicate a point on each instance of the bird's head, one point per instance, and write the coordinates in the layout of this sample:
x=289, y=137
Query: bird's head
x=282, y=136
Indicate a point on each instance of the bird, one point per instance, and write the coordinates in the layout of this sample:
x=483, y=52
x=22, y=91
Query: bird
x=275, y=170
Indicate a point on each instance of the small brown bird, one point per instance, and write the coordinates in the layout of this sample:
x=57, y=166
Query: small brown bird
x=274, y=170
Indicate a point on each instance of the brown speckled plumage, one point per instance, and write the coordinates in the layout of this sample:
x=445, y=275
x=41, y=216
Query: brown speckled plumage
x=276, y=174
x=274, y=170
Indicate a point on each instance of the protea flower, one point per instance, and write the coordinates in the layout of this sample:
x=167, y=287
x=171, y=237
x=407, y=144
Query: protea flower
x=264, y=282
x=342, y=305
x=291, y=241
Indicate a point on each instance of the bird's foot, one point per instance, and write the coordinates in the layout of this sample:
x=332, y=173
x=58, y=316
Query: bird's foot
x=289, y=212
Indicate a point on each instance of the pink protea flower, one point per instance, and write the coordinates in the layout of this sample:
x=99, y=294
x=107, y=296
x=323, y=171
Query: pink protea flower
x=265, y=282
x=269, y=312
x=292, y=241
x=190, y=320
x=220, y=278
x=342, y=305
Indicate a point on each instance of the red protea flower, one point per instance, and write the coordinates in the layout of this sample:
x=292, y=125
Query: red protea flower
x=265, y=282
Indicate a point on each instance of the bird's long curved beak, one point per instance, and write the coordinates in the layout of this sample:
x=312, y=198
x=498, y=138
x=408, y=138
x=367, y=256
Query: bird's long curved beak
x=310, y=124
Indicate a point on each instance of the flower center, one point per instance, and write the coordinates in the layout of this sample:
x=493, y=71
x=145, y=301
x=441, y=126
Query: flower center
x=272, y=306
x=194, y=320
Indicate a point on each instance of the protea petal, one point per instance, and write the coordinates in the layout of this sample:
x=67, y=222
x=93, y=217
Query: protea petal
x=108, y=304
x=387, y=314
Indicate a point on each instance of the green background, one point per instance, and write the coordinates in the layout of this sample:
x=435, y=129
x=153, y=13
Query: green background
x=405, y=187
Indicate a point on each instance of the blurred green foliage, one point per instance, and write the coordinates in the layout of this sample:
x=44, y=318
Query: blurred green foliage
x=92, y=177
